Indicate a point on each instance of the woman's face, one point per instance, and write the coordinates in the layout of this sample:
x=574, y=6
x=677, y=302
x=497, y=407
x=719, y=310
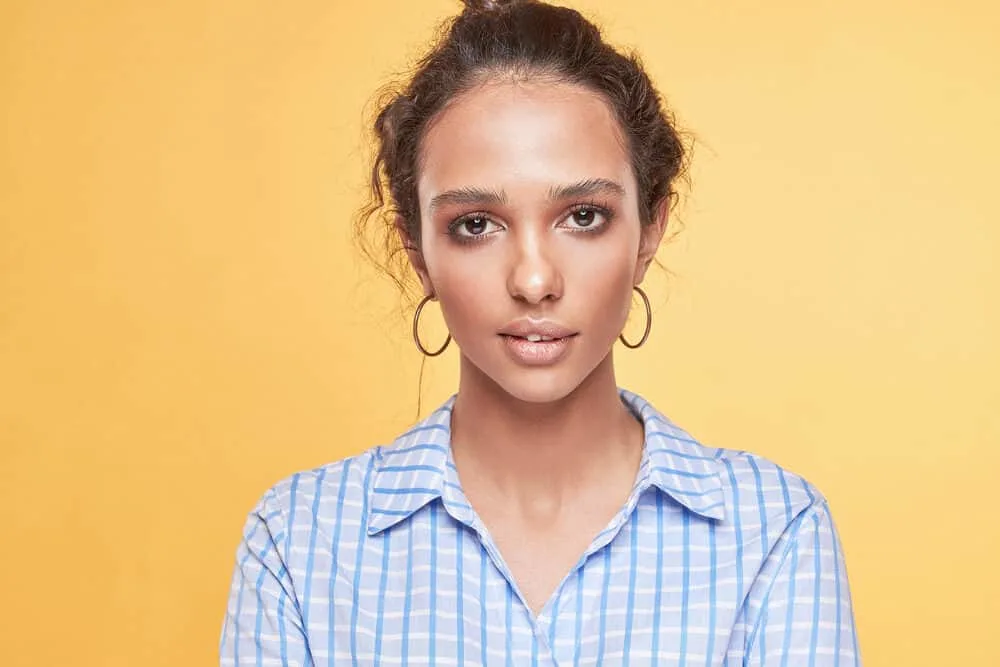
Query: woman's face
x=530, y=227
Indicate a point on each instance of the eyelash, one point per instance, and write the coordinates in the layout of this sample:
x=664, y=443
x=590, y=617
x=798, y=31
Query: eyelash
x=601, y=208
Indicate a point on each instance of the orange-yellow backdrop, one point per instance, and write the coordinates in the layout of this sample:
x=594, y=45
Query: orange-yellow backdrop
x=183, y=319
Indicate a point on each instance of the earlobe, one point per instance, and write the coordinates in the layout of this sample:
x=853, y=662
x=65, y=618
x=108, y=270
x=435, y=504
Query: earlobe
x=415, y=256
x=640, y=271
x=649, y=242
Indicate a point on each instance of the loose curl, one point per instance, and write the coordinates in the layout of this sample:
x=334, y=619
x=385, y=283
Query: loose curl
x=517, y=39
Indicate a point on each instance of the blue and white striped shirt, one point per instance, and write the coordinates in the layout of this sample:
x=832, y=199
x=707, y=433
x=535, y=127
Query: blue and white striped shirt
x=717, y=557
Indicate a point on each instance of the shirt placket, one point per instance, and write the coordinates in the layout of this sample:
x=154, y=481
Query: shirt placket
x=458, y=506
x=565, y=623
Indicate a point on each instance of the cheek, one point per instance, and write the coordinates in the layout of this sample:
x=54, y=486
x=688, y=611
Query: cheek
x=610, y=299
x=464, y=287
x=607, y=264
x=602, y=286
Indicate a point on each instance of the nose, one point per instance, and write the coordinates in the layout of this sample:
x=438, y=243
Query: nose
x=534, y=276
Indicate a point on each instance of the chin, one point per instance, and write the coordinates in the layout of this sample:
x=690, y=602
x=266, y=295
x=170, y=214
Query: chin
x=532, y=386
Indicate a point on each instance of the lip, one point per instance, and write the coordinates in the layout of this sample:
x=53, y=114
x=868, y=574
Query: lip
x=540, y=353
x=537, y=353
x=525, y=327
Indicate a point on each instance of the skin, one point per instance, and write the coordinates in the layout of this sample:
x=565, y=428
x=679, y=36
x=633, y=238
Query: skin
x=546, y=454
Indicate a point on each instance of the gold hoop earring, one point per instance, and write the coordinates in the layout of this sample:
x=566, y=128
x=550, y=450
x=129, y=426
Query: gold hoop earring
x=416, y=335
x=649, y=322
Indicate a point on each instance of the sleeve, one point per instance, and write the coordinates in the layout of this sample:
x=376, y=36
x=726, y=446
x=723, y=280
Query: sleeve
x=805, y=614
x=262, y=623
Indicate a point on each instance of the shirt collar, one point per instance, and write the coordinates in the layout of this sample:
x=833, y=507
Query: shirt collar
x=417, y=468
x=676, y=463
x=412, y=471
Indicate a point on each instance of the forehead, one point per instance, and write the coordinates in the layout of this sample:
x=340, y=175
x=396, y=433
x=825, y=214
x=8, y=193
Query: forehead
x=512, y=134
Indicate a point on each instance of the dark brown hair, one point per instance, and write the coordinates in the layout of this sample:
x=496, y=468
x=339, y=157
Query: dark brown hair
x=519, y=39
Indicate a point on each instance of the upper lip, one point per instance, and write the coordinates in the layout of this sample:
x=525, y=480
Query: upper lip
x=526, y=327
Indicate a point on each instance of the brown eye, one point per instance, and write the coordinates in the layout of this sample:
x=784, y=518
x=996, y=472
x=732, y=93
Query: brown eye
x=587, y=219
x=475, y=226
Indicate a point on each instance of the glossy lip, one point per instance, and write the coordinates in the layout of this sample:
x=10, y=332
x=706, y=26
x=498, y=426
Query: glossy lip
x=524, y=327
x=539, y=353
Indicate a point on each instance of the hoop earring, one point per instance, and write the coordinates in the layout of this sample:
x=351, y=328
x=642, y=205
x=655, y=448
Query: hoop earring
x=649, y=322
x=416, y=335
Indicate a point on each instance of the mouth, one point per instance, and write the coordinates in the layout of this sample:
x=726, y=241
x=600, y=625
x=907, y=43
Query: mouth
x=538, y=338
x=536, y=349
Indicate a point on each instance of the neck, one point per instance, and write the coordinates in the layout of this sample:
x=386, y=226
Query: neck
x=541, y=455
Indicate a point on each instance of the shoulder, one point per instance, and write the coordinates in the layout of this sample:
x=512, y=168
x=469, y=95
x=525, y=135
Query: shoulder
x=757, y=494
x=337, y=491
x=759, y=491
x=340, y=493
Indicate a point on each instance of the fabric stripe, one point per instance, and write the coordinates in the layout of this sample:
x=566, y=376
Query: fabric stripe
x=718, y=558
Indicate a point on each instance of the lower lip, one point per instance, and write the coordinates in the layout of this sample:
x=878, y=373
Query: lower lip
x=541, y=353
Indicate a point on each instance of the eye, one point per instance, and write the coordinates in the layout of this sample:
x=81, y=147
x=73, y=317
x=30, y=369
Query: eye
x=472, y=227
x=588, y=218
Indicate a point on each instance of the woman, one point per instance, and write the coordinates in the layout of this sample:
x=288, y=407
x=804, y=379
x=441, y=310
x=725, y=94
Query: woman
x=542, y=515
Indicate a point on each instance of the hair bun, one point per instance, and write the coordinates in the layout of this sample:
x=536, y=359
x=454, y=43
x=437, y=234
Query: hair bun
x=487, y=5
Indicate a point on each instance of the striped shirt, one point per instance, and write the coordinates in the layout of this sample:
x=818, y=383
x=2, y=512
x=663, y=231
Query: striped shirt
x=718, y=557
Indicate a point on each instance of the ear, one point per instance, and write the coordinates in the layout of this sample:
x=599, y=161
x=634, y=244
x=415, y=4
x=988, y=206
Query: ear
x=415, y=256
x=649, y=241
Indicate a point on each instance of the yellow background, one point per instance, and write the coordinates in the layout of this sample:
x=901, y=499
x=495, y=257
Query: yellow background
x=184, y=321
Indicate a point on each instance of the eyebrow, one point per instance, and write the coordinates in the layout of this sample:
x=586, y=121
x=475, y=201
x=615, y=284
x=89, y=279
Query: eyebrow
x=590, y=186
x=468, y=196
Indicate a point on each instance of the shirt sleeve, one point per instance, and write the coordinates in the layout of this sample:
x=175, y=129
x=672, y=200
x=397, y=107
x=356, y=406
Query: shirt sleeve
x=805, y=615
x=263, y=624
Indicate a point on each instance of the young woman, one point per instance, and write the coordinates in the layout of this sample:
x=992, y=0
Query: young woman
x=542, y=515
